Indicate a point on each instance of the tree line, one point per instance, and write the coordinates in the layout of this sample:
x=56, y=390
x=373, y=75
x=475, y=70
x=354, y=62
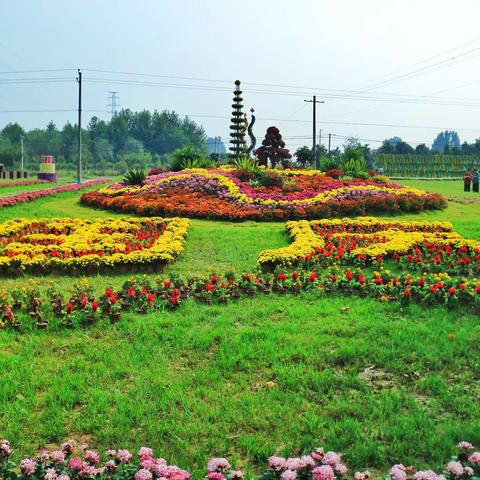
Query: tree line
x=129, y=140
x=447, y=142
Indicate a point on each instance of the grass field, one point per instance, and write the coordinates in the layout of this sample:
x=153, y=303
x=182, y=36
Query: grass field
x=379, y=383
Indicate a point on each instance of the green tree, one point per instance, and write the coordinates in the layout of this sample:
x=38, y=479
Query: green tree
x=303, y=156
x=13, y=132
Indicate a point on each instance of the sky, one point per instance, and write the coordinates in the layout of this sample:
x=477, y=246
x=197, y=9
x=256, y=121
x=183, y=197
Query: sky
x=399, y=67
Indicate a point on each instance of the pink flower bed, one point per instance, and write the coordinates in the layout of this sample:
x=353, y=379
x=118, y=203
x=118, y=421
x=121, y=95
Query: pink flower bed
x=22, y=183
x=23, y=197
x=74, y=462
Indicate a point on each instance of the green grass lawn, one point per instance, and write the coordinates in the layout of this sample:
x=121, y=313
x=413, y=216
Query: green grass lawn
x=379, y=383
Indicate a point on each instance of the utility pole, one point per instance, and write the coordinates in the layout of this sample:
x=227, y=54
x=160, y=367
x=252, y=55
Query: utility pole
x=79, y=140
x=314, y=101
x=21, y=140
x=329, y=141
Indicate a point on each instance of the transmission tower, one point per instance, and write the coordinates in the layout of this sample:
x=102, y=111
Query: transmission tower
x=113, y=103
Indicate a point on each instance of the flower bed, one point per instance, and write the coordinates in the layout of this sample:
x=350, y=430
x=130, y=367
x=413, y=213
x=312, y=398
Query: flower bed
x=22, y=183
x=85, y=307
x=23, y=197
x=221, y=194
x=73, y=461
x=422, y=246
x=69, y=245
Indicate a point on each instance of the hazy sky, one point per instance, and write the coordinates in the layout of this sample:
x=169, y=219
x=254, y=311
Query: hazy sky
x=296, y=48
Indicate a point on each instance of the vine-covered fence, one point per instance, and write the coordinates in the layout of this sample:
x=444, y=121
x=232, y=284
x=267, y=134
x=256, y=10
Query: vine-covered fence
x=427, y=166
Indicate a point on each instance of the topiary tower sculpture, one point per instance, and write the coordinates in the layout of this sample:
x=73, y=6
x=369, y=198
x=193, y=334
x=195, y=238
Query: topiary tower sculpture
x=238, y=146
x=273, y=149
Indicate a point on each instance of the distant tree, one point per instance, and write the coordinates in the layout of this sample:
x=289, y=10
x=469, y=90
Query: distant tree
x=51, y=127
x=403, y=148
x=351, y=142
x=304, y=156
x=13, y=132
x=448, y=137
x=389, y=145
x=135, y=160
x=422, y=149
x=132, y=145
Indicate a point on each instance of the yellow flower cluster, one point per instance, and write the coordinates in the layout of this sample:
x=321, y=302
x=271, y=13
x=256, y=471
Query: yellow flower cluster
x=305, y=240
x=78, y=243
x=234, y=189
x=398, y=238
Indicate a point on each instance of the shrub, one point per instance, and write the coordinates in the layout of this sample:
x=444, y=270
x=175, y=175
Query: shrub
x=329, y=163
x=185, y=155
x=335, y=173
x=355, y=167
x=381, y=179
x=271, y=180
x=244, y=175
x=155, y=171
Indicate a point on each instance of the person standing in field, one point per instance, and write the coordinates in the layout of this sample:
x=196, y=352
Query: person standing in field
x=475, y=180
x=467, y=180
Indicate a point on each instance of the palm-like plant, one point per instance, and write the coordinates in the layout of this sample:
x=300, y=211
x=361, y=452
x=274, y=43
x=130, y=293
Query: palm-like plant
x=134, y=177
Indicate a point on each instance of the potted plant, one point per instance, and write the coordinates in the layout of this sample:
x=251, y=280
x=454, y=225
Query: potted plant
x=18, y=297
x=115, y=310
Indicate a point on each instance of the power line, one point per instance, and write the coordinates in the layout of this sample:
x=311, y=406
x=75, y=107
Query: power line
x=420, y=62
x=39, y=71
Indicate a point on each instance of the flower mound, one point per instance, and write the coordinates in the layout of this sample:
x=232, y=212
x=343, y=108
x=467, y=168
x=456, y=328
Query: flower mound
x=220, y=194
x=69, y=244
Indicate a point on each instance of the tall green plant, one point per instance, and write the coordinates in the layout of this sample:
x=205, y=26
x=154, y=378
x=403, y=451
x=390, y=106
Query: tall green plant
x=187, y=155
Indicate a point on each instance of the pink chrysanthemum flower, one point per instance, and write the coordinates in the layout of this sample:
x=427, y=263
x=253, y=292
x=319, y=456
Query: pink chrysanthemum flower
x=475, y=458
x=331, y=458
x=28, y=466
x=5, y=448
x=318, y=454
x=57, y=456
x=218, y=464
x=143, y=474
x=324, y=472
x=145, y=452
x=340, y=469
x=76, y=463
x=92, y=457
x=288, y=475
x=398, y=473
x=465, y=445
x=215, y=476
x=50, y=474
x=124, y=456
x=276, y=463
x=455, y=469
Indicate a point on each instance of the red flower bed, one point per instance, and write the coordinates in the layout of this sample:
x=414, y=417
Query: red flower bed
x=11, y=200
x=22, y=183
